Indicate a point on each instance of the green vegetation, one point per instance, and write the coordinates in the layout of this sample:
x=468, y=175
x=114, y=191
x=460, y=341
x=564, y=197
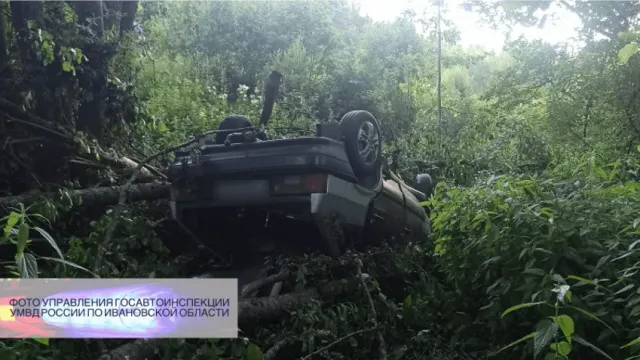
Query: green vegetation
x=536, y=216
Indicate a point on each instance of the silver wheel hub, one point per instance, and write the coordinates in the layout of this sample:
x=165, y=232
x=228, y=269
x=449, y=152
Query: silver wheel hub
x=368, y=143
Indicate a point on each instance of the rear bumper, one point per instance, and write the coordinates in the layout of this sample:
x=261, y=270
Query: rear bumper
x=250, y=160
x=237, y=176
x=347, y=199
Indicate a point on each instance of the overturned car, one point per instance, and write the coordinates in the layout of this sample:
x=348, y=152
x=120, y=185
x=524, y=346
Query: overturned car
x=238, y=191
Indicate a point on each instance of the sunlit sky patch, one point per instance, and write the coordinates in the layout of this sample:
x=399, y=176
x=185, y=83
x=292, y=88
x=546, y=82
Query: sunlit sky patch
x=560, y=27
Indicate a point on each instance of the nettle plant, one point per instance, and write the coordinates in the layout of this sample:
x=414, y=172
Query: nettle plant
x=555, y=334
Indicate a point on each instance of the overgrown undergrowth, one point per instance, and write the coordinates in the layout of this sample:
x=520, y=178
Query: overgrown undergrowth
x=552, y=263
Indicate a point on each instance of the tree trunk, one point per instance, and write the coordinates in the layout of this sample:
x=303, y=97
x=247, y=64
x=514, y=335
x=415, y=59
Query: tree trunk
x=129, y=10
x=91, y=112
x=249, y=311
x=21, y=13
x=99, y=196
x=91, y=11
x=111, y=14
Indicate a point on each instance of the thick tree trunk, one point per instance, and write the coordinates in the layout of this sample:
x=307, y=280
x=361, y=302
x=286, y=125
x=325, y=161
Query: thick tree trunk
x=249, y=311
x=91, y=112
x=129, y=10
x=100, y=195
x=22, y=12
x=92, y=10
x=111, y=14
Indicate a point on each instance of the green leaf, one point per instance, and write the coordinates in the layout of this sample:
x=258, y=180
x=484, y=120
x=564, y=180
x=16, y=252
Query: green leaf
x=627, y=52
x=12, y=220
x=67, y=262
x=27, y=266
x=66, y=66
x=593, y=317
x=553, y=355
x=628, y=287
x=586, y=281
x=408, y=301
x=23, y=237
x=584, y=342
x=534, y=271
x=254, y=352
x=545, y=332
x=563, y=348
x=43, y=341
x=524, y=338
x=631, y=343
x=49, y=240
x=521, y=306
x=566, y=325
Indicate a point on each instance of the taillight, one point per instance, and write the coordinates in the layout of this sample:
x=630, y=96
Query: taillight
x=299, y=184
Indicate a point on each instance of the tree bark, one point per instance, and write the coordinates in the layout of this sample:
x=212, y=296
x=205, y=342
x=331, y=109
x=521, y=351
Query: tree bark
x=112, y=12
x=249, y=311
x=129, y=10
x=99, y=196
x=91, y=112
x=90, y=10
x=255, y=286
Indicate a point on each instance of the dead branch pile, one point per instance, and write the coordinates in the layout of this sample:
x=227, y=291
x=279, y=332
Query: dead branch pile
x=249, y=311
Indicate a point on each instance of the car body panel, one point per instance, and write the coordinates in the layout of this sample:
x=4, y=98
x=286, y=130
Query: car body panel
x=238, y=176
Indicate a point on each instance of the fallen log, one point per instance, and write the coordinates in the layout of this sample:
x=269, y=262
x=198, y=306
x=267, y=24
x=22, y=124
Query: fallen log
x=268, y=308
x=97, y=196
x=124, y=162
x=249, y=311
x=257, y=285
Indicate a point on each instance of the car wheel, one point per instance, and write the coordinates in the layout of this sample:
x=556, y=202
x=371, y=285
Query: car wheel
x=362, y=140
x=424, y=184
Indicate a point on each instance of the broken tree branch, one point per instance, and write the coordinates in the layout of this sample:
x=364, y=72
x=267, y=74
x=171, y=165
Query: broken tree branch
x=260, y=283
x=277, y=287
x=273, y=351
x=249, y=311
x=39, y=126
x=124, y=162
x=96, y=196
x=18, y=115
x=123, y=193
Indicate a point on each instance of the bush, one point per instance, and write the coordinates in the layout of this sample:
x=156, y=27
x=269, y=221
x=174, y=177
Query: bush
x=510, y=241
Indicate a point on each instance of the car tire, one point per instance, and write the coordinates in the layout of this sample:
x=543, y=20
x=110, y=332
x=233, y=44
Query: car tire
x=231, y=123
x=424, y=184
x=363, y=142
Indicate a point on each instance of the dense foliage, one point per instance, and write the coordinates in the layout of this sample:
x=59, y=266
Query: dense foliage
x=536, y=215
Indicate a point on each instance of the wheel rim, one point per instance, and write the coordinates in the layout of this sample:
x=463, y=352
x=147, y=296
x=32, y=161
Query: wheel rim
x=368, y=143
